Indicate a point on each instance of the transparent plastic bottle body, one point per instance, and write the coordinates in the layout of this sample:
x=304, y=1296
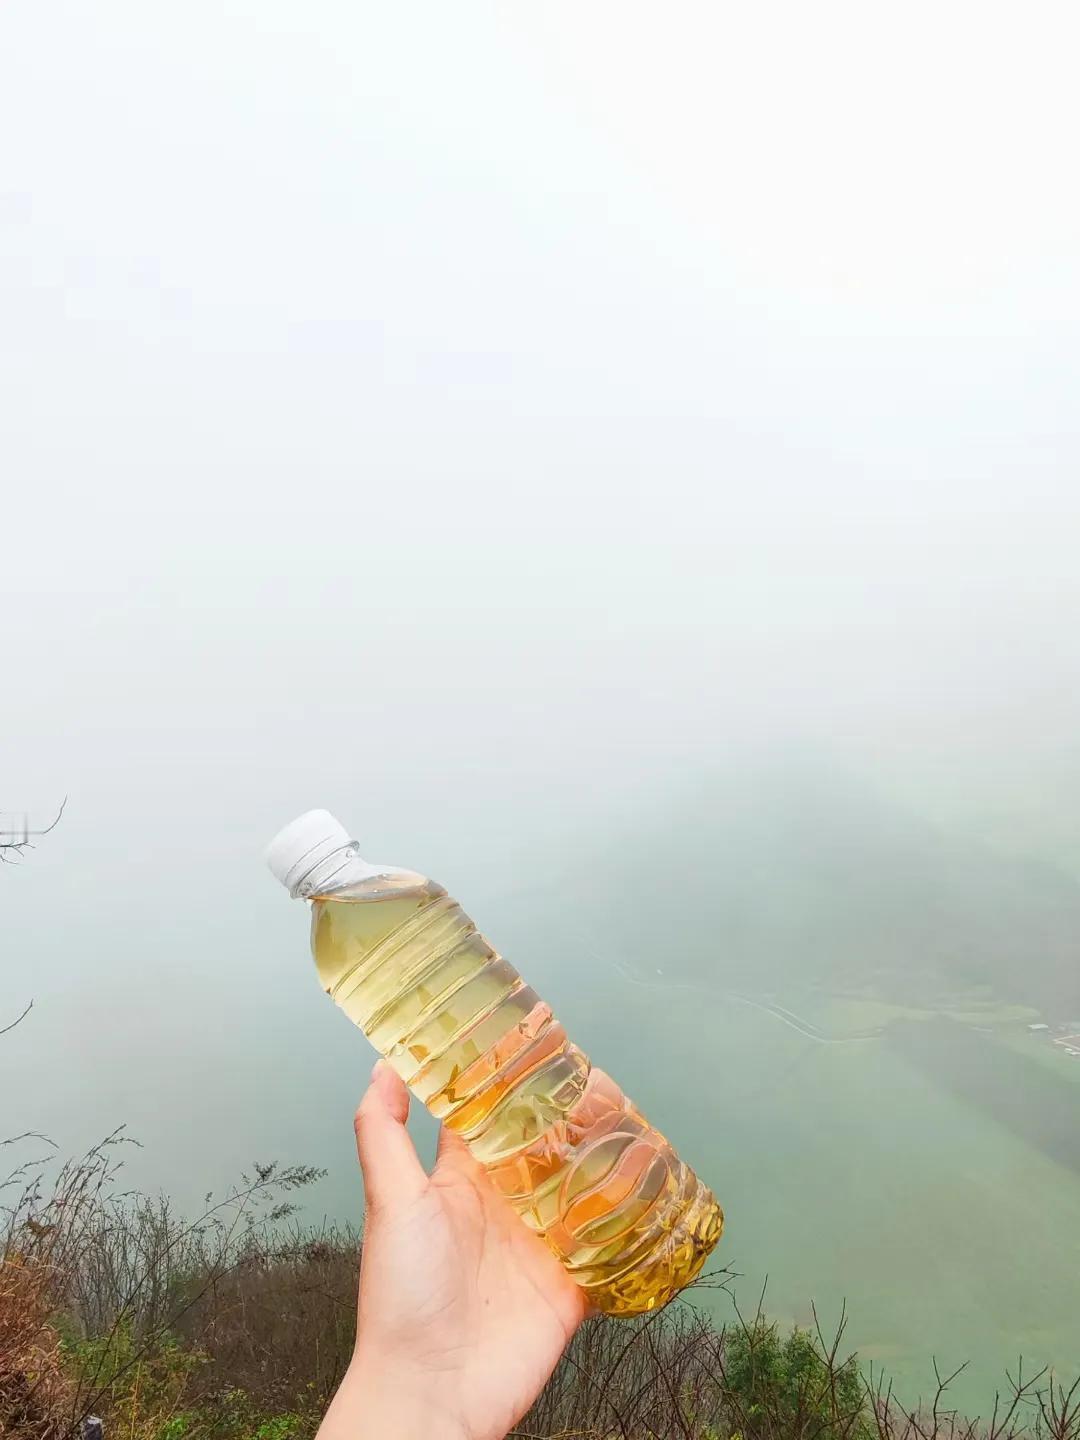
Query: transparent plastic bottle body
x=580, y=1165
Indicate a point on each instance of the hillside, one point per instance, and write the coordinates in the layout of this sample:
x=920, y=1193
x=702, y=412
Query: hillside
x=793, y=875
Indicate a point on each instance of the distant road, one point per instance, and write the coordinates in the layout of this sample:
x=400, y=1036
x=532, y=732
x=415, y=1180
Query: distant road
x=778, y=1012
x=789, y=1018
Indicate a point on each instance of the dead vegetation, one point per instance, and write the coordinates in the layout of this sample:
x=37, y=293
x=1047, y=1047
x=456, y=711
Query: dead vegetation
x=238, y=1325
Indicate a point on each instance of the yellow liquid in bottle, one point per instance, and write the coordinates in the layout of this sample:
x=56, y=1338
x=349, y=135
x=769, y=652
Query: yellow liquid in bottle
x=580, y=1165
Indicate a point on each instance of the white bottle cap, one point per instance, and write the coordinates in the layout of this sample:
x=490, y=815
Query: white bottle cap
x=309, y=839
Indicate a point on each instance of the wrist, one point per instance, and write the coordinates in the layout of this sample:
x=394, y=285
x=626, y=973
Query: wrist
x=377, y=1402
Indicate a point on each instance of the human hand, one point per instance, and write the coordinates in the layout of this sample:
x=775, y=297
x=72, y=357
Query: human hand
x=463, y=1312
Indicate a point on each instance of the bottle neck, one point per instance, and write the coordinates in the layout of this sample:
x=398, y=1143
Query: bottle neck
x=339, y=870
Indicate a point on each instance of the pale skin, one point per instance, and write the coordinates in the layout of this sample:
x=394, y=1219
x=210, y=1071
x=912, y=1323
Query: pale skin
x=463, y=1312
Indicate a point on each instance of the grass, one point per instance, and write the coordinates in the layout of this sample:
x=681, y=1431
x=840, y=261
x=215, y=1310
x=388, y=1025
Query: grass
x=862, y=1012
x=238, y=1324
x=1039, y=1049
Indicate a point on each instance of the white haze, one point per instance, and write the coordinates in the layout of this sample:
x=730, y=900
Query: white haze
x=470, y=417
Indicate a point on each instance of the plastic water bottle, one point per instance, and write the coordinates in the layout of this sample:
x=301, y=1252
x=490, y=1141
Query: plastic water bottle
x=580, y=1165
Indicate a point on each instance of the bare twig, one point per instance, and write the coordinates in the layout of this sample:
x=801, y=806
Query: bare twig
x=18, y=1020
x=13, y=850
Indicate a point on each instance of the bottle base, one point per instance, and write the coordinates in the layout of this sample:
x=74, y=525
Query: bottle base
x=669, y=1266
x=632, y=1224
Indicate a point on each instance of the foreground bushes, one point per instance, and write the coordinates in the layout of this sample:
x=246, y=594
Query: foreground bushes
x=237, y=1327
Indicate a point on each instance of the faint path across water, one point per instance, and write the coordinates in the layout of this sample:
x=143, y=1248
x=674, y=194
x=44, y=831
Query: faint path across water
x=770, y=1007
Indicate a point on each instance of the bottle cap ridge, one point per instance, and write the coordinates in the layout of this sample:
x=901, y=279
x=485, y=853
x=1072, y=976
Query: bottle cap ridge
x=302, y=844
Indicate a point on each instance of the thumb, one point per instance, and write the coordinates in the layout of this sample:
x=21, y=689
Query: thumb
x=391, y=1168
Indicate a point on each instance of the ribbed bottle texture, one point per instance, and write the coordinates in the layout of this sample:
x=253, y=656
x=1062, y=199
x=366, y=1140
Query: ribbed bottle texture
x=560, y=1140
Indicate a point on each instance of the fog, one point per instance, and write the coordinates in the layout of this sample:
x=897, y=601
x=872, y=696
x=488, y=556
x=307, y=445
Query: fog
x=490, y=423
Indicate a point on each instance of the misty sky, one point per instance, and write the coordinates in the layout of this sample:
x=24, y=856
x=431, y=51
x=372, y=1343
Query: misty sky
x=462, y=415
